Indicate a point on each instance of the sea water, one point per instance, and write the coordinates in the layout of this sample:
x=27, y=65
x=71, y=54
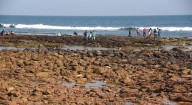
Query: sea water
x=171, y=26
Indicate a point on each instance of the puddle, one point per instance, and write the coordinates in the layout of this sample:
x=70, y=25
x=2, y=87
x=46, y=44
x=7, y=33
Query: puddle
x=14, y=48
x=72, y=84
x=168, y=102
x=190, y=47
x=165, y=101
x=65, y=83
x=129, y=103
x=168, y=47
x=85, y=48
x=65, y=48
x=10, y=48
x=95, y=84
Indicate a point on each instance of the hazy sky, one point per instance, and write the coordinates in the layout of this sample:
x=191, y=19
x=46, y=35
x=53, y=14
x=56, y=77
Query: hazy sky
x=95, y=7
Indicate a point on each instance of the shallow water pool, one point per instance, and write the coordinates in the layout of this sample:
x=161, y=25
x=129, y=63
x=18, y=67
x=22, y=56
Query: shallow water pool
x=10, y=48
x=85, y=48
x=95, y=84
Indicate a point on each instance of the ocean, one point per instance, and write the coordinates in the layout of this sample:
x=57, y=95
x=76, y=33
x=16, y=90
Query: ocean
x=171, y=26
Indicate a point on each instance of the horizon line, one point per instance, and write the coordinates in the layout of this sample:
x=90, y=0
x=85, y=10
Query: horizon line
x=99, y=15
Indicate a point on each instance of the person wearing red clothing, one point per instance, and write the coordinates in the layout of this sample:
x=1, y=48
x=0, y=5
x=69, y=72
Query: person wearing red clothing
x=150, y=33
x=144, y=32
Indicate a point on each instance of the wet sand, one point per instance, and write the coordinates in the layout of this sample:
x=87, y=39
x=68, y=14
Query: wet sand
x=132, y=71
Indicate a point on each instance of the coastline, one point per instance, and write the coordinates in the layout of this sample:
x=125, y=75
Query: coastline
x=108, y=41
x=135, y=73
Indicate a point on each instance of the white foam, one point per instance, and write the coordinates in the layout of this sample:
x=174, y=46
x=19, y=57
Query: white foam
x=51, y=27
x=6, y=25
x=169, y=28
x=41, y=26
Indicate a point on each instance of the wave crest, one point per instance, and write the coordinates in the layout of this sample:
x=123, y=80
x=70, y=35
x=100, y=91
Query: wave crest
x=51, y=27
x=41, y=26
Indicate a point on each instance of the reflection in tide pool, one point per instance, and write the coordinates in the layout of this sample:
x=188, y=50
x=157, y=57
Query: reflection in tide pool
x=85, y=48
x=129, y=103
x=95, y=84
x=72, y=84
x=65, y=48
x=168, y=47
x=165, y=101
x=168, y=102
x=10, y=48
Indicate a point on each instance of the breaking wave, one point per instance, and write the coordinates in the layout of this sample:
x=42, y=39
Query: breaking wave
x=51, y=27
x=41, y=26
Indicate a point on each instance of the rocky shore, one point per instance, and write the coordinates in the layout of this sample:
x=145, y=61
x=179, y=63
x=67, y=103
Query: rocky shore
x=108, y=41
x=135, y=73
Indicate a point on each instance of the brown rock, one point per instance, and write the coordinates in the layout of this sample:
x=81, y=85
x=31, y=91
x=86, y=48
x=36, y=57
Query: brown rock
x=30, y=69
x=9, y=89
x=174, y=66
x=2, y=97
x=179, y=89
x=2, y=64
x=42, y=48
x=42, y=74
x=24, y=99
x=186, y=71
x=127, y=80
x=127, y=92
x=74, y=63
x=29, y=75
x=176, y=78
x=184, y=103
x=79, y=68
x=110, y=73
x=98, y=53
x=99, y=70
x=186, y=76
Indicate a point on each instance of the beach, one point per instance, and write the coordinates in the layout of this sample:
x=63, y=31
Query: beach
x=117, y=70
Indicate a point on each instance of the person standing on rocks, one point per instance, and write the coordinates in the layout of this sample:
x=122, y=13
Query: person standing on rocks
x=155, y=33
x=93, y=35
x=159, y=33
x=90, y=36
x=85, y=34
x=129, y=32
x=138, y=32
x=144, y=32
x=4, y=32
x=150, y=33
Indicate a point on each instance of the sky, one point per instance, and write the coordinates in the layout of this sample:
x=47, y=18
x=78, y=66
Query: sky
x=95, y=7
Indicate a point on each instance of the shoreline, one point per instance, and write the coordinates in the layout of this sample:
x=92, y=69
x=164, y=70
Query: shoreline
x=108, y=41
x=64, y=34
x=135, y=73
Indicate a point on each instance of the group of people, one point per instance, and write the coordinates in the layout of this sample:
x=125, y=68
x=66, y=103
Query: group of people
x=156, y=33
x=6, y=32
x=89, y=36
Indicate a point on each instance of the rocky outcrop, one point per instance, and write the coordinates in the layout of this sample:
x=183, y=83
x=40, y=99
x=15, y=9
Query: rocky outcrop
x=52, y=76
x=146, y=76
